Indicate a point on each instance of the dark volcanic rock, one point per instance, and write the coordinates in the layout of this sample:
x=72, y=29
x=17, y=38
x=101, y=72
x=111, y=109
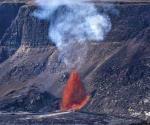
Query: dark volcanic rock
x=35, y=31
x=32, y=100
x=7, y=15
x=65, y=118
x=24, y=30
x=122, y=83
x=23, y=65
x=129, y=21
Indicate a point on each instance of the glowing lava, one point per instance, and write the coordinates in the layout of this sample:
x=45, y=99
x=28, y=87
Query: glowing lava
x=74, y=94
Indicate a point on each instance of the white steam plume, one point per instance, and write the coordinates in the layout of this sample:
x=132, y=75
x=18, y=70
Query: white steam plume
x=73, y=22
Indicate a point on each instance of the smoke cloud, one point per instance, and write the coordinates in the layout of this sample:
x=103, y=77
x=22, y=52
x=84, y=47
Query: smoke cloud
x=73, y=23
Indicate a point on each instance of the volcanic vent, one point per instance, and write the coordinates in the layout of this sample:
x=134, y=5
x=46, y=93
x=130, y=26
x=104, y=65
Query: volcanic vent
x=74, y=94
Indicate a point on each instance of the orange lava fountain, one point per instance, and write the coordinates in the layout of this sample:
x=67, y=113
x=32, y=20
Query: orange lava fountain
x=74, y=94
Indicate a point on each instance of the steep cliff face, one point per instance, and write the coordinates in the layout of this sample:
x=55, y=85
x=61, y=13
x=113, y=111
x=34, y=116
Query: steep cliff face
x=130, y=21
x=116, y=71
x=7, y=17
x=24, y=30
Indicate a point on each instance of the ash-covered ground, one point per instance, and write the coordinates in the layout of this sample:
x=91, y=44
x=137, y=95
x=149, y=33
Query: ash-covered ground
x=65, y=118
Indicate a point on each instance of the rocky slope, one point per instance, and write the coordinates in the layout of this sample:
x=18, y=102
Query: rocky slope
x=116, y=72
x=123, y=80
x=65, y=118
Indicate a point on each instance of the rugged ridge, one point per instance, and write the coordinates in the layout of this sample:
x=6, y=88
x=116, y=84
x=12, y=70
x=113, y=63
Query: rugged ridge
x=7, y=17
x=24, y=30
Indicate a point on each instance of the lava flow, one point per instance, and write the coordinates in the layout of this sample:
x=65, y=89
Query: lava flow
x=74, y=94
